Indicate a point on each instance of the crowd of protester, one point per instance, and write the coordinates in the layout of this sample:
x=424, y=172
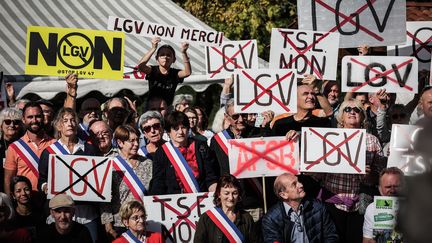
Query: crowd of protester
x=311, y=207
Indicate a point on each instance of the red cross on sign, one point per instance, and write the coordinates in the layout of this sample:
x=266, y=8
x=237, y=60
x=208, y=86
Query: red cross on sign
x=260, y=90
x=333, y=150
x=268, y=156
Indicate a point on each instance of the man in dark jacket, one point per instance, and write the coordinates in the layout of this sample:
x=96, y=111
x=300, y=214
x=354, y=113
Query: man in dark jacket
x=296, y=218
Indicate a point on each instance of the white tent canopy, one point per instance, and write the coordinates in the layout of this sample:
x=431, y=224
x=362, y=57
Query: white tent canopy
x=90, y=14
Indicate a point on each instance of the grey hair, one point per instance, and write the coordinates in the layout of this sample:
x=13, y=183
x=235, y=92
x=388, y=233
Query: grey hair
x=229, y=103
x=25, y=101
x=218, y=120
x=148, y=115
x=180, y=97
x=5, y=201
x=358, y=104
x=11, y=113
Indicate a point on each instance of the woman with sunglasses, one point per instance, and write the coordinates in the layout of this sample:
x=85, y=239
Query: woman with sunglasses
x=346, y=194
x=151, y=128
x=130, y=181
x=11, y=130
x=133, y=217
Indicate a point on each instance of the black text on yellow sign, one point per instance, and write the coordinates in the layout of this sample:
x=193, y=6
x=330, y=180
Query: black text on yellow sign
x=88, y=53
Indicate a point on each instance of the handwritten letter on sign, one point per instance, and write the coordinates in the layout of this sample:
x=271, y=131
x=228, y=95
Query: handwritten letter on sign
x=223, y=60
x=308, y=52
x=265, y=89
x=177, y=215
x=333, y=150
x=370, y=73
x=166, y=32
x=374, y=23
x=268, y=156
x=418, y=43
x=84, y=178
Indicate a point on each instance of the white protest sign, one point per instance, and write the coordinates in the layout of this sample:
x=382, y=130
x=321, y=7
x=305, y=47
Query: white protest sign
x=418, y=43
x=221, y=61
x=333, y=150
x=309, y=52
x=84, y=178
x=402, y=153
x=267, y=156
x=371, y=73
x=259, y=90
x=385, y=211
x=166, y=32
x=374, y=23
x=176, y=215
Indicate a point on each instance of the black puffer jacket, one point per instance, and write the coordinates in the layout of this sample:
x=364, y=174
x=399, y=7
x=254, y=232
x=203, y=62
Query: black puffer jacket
x=277, y=227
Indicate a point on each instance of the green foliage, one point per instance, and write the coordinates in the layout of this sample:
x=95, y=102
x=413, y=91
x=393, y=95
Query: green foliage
x=244, y=19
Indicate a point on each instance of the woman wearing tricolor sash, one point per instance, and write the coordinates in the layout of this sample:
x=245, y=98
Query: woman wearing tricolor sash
x=130, y=180
x=133, y=216
x=182, y=165
x=151, y=128
x=226, y=222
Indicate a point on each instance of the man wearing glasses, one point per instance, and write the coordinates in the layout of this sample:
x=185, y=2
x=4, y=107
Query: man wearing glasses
x=296, y=218
x=102, y=136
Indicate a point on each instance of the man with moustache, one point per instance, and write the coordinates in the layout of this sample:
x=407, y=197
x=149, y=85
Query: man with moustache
x=116, y=112
x=23, y=155
x=296, y=218
x=64, y=229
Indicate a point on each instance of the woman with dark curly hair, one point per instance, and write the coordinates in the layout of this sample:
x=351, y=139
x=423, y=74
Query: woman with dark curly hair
x=226, y=222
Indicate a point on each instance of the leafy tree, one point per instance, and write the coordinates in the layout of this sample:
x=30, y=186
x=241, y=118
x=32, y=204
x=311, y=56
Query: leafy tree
x=244, y=19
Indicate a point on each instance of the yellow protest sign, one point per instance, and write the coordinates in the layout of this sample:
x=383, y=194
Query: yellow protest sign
x=88, y=53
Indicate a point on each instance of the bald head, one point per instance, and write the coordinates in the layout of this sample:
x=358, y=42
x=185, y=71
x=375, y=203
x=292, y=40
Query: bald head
x=288, y=188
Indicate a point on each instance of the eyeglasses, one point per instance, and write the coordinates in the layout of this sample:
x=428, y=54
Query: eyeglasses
x=9, y=121
x=399, y=116
x=101, y=134
x=349, y=109
x=137, y=218
x=155, y=126
x=235, y=117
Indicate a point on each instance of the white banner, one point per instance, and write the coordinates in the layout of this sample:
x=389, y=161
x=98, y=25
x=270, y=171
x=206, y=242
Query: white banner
x=402, y=153
x=166, y=32
x=370, y=73
x=177, y=215
x=374, y=23
x=418, y=43
x=260, y=90
x=308, y=52
x=333, y=150
x=222, y=61
x=84, y=178
x=385, y=211
x=267, y=156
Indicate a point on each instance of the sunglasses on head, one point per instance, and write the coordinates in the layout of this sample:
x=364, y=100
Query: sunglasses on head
x=399, y=116
x=348, y=109
x=155, y=126
x=237, y=116
x=9, y=121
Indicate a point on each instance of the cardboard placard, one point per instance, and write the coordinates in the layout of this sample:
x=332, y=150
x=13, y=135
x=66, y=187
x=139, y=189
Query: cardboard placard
x=374, y=23
x=371, y=73
x=259, y=90
x=333, y=150
x=418, y=43
x=61, y=51
x=223, y=60
x=402, y=153
x=176, y=215
x=165, y=32
x=84, y=178
x=308, y=52
x=267, y=156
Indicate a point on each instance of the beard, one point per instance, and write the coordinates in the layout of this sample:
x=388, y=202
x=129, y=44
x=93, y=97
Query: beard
x=37, y=130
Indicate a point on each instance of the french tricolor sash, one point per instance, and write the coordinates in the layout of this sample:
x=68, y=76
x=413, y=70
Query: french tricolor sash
x=130, y=237
x=225, y=225
x=143, y=151
x=222, y=140
x=84, y=129
x=83, y=133
x=181, y=167
x=130, y=178
x=27, y=155
x=57, y=148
